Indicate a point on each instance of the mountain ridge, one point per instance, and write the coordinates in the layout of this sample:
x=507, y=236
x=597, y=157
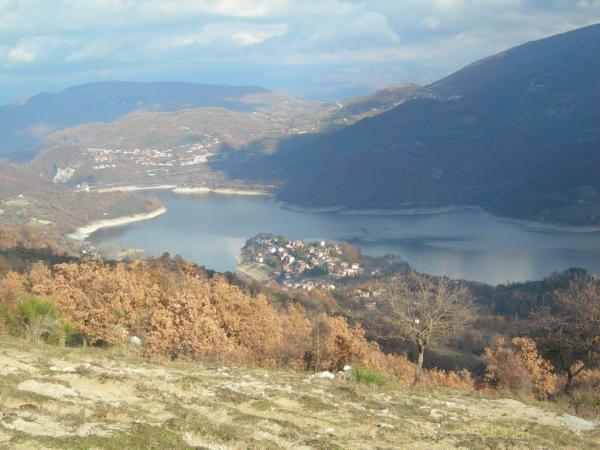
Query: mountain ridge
x=25, y=124
x=482, y=146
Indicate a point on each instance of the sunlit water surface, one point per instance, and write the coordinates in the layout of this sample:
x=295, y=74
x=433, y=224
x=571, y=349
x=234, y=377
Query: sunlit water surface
x=210, y=230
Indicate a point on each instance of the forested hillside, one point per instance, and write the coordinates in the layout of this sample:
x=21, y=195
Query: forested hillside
x=515, y=133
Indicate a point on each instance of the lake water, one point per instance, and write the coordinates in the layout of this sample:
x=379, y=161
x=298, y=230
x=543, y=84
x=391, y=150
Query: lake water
x=210, y=229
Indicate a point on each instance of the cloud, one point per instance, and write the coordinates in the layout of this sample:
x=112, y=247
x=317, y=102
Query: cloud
x=20, y=55
x=234, y=34
x=267, y=42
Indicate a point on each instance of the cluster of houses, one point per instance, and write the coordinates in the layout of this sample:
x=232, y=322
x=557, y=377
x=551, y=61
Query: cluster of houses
x=107, y=158
x=309, y=285
x=300, y=265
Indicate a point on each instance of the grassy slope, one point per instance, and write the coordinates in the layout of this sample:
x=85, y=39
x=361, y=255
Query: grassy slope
x=123, y=401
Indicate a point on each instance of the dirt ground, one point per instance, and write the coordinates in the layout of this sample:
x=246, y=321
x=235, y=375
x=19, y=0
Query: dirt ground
x=54, y=397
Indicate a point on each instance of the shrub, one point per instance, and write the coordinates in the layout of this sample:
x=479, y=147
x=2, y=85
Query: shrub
x=179, y=310
x=335, y=344
x=362, y=374
x=37, y=318
x=66, y=334
x=584, y=397
x=520, y=369
x=461, y=379
x=8, y=321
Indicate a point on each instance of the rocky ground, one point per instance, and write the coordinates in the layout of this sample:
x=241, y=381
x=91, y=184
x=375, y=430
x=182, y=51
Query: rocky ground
x=53, y=397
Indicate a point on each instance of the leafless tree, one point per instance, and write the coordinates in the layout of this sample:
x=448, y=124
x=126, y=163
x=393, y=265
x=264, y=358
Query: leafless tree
x=569, y=327
x=427, y=308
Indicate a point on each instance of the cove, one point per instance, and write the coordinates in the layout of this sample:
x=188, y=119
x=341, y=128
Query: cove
x=210, y=229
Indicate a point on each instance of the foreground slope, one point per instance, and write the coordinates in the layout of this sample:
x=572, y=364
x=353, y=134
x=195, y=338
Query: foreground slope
x=495, y=135
x=67, y=398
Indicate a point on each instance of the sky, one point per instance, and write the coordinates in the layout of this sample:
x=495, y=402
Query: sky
x=321, y=49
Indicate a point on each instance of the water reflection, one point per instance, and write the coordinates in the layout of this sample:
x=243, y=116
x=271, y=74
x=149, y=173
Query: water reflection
x=210, y=229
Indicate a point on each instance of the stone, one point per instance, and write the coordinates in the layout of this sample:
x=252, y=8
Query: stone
x=52, y=390
x=325, y=374
x=135, y=341
x=67, y=369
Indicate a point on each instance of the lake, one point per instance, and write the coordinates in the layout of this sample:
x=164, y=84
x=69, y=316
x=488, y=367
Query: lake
x=210, y=229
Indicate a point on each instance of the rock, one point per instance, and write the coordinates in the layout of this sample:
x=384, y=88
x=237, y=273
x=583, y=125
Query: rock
x=135, y=341
x=41, y=426
x=386, y=425
x=342, y=375
x=329, y=430
x=435, y=413
x=68, y=369
x=577, y=423
x=347, y=368
x=52, y=390
x=325, y=374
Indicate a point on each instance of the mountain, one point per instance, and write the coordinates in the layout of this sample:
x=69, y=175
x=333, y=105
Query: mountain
x=23, y=125
x=29, y=200
x=516, y=133
x=172, y=147
x=358, y=108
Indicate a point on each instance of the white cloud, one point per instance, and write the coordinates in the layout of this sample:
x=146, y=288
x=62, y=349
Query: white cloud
x=20, y=55
x=184, y=39
x=234, y=34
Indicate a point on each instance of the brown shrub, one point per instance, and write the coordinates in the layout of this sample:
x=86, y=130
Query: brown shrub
x=398, y=367
x=12, y=288
x=178, y=310
x=519, y=368
x=336, y=344
x=462, y=379
x=297, y=341
x=589, y=380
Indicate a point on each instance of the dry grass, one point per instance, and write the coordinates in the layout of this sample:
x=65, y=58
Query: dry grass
x=125, y=401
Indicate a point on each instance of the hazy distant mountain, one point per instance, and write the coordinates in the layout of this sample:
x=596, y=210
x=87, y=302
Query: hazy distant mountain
x=517, y=133
x=24, y=124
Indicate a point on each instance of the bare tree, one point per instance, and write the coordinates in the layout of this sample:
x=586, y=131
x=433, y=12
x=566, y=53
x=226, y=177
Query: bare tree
x=427, y=308
x=569, y=327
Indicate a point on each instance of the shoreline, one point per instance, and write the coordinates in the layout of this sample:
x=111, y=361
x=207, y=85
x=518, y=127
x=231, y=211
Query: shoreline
x=341, y=210
x=184, y=190
x=224, y=191
x=82, y=233
x=533, y=225
x=160, y=187
x=409, y=211
x=545, y=226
